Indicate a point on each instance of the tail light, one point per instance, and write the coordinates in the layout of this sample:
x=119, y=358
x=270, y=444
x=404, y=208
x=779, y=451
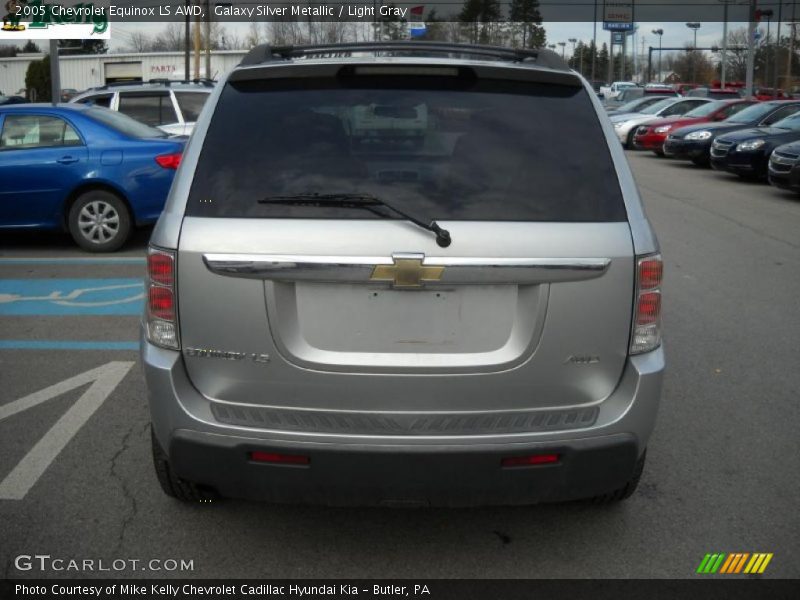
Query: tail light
x=169, y=161
x=162, y=313
x=646, y=333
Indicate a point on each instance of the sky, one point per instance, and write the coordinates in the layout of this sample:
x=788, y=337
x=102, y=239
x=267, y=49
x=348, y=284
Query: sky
x=675, y=34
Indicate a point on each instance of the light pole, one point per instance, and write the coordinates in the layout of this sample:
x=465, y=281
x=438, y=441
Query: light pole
x=777, y=50
x=694, y=27
x=724, y=56
x=574, y=41
x=659, y=33
x=563, y=48
x=766, y=14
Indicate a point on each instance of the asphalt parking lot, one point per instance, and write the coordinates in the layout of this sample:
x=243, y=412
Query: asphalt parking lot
x=723, y=472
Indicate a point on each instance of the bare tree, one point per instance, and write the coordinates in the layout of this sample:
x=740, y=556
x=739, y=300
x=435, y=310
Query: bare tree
x=253, y=37
x=139, y=41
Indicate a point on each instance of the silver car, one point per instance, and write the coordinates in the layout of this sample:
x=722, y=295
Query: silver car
x=398, y=274
x=171, y=106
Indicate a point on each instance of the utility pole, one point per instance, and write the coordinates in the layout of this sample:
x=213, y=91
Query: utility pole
x=777, y=53
x=695, y=27
x=55, y=73
x=724, y=57
x=767, y=14
x=197, y=48
x=594, y=40
x=622, y=57
x=641, y=58
x=791, y=51
x=751, y=29
x=187, y=48
x=208, y=40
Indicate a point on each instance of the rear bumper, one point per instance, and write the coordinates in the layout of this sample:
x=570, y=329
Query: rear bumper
x=457, y=475
x=348, y=469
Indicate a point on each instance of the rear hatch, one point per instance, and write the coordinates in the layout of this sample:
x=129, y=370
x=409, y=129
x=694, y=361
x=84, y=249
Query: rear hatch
x=295, y=292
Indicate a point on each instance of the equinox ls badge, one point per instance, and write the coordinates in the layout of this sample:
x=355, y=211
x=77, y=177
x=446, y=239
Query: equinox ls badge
x=227, y=355
x=406, y=273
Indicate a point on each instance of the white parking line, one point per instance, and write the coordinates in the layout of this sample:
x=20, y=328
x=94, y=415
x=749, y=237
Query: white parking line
x=28, y=471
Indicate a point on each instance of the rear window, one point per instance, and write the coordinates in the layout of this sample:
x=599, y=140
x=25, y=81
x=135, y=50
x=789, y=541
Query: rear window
x=446, y=148
x=124, y=124
x=151, y=109
x=191, y=104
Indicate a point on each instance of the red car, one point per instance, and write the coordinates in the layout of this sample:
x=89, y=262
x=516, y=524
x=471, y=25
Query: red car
x=769, y=94
x=651, y=135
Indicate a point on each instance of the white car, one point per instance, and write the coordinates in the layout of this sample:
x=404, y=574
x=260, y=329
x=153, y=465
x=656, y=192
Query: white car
x=173, y=107
x=609, y=92
x=625, y=124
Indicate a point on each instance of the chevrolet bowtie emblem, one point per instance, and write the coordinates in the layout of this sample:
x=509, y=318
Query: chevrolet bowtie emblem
x=406, y=273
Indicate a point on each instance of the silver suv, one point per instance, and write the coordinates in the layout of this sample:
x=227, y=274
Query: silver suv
x=403, y=274
x=173, y=107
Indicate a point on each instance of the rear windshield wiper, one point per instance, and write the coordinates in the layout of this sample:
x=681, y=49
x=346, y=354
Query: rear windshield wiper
x=365, y=201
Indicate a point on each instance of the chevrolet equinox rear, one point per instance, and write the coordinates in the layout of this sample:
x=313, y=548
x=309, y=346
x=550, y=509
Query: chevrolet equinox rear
x=388, y=274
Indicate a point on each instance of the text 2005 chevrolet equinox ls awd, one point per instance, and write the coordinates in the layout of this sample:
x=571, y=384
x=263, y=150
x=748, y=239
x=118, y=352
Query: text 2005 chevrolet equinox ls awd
x=387, y=274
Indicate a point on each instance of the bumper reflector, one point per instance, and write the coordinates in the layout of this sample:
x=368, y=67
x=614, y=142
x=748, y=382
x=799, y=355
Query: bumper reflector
x=281, y=459
x=527, y=461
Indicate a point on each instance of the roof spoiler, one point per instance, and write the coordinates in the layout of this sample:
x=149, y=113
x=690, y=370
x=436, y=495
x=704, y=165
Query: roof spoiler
x=265, y=53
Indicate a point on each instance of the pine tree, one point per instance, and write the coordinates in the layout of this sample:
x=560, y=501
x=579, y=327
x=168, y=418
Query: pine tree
x=526, y=14
x=480, y=15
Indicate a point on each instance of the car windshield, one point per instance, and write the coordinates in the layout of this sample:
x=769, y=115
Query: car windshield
x=791, y=122
x=705, y=109
x=634, y=105
x=123, y=123
x=449, y=149
x=752, y=113
x=654, y=108
x=629, y=93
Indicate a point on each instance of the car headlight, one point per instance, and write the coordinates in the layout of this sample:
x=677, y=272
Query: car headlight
x=663, y=129
x=750, y=146
x=698, y=135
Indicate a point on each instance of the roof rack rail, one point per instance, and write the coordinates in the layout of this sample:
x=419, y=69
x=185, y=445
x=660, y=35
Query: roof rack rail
x=265, y=53
x=158, y=81
x=199, y=80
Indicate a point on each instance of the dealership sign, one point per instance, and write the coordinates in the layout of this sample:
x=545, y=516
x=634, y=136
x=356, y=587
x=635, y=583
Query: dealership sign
x=618, y=16
x=38, y=19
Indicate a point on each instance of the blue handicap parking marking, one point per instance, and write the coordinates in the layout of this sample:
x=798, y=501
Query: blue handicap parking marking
x=71, y=296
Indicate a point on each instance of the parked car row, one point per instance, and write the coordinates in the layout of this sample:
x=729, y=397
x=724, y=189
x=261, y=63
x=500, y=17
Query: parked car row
x=626, y=124
x=754, y=140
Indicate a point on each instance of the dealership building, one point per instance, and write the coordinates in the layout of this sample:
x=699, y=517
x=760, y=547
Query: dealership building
x=91, y=70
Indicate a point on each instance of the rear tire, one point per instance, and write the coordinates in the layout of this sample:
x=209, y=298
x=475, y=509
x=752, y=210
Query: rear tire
x=626, y=491
x=174, y=486
x=99, y=221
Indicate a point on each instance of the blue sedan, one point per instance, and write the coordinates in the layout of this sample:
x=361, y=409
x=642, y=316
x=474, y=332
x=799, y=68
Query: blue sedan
x=85, y=169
